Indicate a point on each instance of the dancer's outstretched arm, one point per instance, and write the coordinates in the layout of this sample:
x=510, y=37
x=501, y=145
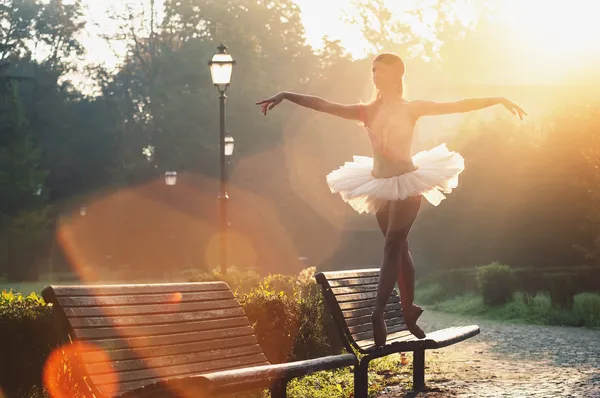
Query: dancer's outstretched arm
x=429, y=108
x=352, y=112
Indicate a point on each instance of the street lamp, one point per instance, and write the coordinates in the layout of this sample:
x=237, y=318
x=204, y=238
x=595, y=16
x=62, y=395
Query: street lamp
x=221, y=67
x=170, y=178
x=229, y=145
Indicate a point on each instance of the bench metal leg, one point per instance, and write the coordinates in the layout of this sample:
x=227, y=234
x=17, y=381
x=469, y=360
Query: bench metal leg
x=278, y=389
x=419, y=370
x=361, y=379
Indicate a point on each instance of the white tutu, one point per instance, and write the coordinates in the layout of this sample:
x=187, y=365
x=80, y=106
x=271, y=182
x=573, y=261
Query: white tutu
x=437, y=173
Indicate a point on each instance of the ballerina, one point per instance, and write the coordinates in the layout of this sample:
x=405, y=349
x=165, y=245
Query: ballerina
x=392, y=183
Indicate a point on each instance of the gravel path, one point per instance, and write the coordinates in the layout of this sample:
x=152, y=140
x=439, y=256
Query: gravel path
x=510, y=360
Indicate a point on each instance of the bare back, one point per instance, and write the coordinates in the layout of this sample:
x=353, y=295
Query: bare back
x=391, y=129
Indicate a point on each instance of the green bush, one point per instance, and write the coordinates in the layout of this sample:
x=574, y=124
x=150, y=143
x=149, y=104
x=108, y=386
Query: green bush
x=561, y=287
x=27, y=339
x=586, y=306
x=561, y=282
x=274, y=317
x=453, y=282
x=495, y=283
x=278, y=283
x=537, y=309
x=240, y=281
x=430, y=294
x=289, y=318
x=24, y=347
x=466, y=304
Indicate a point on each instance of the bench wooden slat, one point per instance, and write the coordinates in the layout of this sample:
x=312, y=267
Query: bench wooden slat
x=158, y=329
x=143, y=299
x=149, y=309
x=353, y=282
x=354, y=289
x=191, y=357
x=350, y=305
x=180, y=348
x=152, y=341
x=389, y=316
x=226, y=381
x=350, y=315
x=114, y=390
x=365, y=327
x=400, y=337
x=353, y=274
x=390, y=311
x=125, y=289
x=159, y=318
x=369, y=334
x=179, y=370
x=366, y=297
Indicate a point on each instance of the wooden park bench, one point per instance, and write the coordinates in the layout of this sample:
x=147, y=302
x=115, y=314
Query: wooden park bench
x=350, y=296
x=168, y=340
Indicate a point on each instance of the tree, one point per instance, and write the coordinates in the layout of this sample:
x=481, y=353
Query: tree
x=45, y=30
x=23, y=214
x=164, y=93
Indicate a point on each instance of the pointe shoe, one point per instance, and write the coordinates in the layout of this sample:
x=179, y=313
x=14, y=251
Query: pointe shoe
x=411, y=321
x=379, y=329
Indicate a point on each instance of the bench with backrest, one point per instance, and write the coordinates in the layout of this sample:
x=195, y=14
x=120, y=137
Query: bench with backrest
x=350, y=296
x=176, y=339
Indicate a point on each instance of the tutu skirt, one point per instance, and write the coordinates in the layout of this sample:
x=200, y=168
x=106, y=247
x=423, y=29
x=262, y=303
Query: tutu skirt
x=436, y=174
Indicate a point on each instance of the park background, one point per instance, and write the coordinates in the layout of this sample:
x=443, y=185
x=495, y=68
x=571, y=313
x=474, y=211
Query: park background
x=99, y=99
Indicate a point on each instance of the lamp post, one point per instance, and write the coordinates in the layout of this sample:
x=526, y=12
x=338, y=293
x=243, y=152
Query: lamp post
x=221, y=67
x=170, y=178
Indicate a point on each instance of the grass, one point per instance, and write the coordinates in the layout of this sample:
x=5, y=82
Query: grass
x=393, y=370
x=521, y=308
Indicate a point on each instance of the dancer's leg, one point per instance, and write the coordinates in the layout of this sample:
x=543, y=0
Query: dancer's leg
x=407, y=265
x=406, y=282
x=406, y=277
x=401, y=217
x=383, y=215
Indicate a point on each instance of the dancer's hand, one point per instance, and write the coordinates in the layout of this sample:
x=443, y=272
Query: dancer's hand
x=271, y=103
x=513, y=108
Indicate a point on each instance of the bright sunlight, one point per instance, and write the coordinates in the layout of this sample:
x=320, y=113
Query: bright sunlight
x=544, y=42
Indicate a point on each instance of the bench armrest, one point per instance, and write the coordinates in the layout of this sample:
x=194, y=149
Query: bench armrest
x=245, y=379
x=263, y=376
x=445, y=337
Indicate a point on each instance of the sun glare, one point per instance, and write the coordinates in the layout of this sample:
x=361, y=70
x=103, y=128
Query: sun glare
x=552, y=34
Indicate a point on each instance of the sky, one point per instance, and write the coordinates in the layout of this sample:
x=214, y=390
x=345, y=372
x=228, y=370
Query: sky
x=546, y=38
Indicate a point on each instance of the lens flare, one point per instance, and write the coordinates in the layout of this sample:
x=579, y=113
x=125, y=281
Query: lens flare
x=61, y=371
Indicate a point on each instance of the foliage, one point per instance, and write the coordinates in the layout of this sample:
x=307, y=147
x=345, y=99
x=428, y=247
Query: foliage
x=290, y=318
x=495, y=283
x=240, y=280
x=430, y=293
x=534, y=309
x=585, y=121
x=23, y=214
x=50, y=26
x=26, y=343
x=562, y=283
x=391, y=370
